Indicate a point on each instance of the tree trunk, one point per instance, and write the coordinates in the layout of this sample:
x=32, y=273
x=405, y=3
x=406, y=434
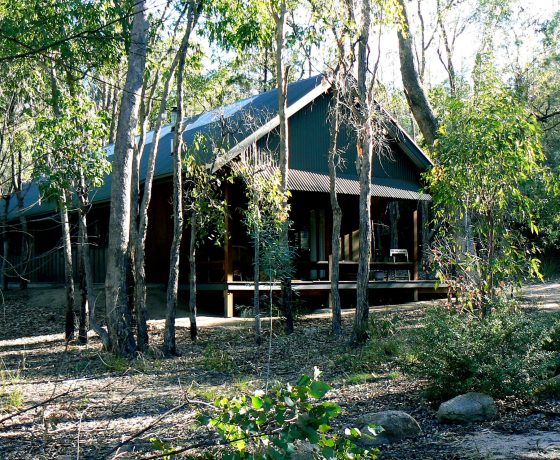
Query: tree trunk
x=365, y=157
x=449, y=67
x=25, y=239
x=256, y=285
x=5, y=244
x=140, y=250
x=169, y=344
x=280, y=17
x=113, y=126
x=337, y=222
x=87, y=289
x=70, y=317
x=83, y=316
x=192, y=277
x=415, y=95
x=425, y=218
x=118, y=314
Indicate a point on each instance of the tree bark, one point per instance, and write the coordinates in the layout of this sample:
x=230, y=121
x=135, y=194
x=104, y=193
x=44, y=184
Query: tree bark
x=169, y=342
x=425, y=218
x=87, y=313
x=70, y=316
x=113, y=126
x=192, y=277
x=140, y=249
x=5, y=243
x=256, y=284
x=365, y=158
x=449, y=67
x=337, y=221
x=25, y=249
x=415, y=95
x=280, y=16
x=118, y=314
x=86, y=282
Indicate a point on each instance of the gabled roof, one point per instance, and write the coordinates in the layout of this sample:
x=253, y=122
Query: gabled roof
x=245, y=122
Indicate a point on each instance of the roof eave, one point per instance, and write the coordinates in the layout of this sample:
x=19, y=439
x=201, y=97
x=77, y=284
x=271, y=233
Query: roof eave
x=239, y=148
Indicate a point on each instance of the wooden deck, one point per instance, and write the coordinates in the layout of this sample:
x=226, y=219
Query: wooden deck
x=299, y=285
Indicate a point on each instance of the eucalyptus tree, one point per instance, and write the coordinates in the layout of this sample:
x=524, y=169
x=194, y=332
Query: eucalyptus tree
x=279, y=12
x=69, y=158
x=194, y=9
x=118, y=314
x=142, y=219
x=264, y=218
x=413, y=88
x=205, y=208
x=20, y=90
x=500, y=196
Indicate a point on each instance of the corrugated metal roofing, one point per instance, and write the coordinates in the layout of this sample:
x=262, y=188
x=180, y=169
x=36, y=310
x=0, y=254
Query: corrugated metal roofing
x=305, y=181
x=243, y=118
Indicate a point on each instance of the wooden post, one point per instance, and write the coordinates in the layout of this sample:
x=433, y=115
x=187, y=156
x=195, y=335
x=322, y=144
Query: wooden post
x=228, y=256
x=329, y=279
x=415, y=249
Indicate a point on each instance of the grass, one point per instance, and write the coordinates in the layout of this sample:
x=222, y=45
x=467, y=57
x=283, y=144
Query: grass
x=216, y=359
x=11, y=393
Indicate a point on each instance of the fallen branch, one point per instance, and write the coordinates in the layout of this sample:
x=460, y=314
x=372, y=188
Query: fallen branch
x=143, y=430
x=35, y=406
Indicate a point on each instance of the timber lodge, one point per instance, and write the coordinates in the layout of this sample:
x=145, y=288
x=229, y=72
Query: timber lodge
x=224, y=273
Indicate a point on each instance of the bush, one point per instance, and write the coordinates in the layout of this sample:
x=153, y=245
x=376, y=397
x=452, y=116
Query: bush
x=276, y=424
x=502, y=354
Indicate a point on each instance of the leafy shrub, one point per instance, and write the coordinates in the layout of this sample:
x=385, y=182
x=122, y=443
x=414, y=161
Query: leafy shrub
x=274, y=425
x=501, y=354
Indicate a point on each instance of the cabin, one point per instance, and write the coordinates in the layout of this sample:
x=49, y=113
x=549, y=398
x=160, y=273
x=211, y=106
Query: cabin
x=224, y=273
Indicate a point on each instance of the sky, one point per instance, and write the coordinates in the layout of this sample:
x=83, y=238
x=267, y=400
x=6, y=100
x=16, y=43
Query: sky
x=523, y=25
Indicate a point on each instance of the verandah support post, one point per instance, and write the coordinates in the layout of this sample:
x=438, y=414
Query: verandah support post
x=228, y=260
x=415, y=250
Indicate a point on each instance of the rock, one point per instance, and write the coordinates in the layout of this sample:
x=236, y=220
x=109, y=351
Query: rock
x=397, y=425
x=470, y=407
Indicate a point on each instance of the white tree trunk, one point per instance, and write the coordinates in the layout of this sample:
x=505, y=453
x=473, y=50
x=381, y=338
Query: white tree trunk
x=70, y=316
x=365, y=158
x=192, y=277
x=118, y=314
x=140, y=249
x=280, y=17
x=337, y=222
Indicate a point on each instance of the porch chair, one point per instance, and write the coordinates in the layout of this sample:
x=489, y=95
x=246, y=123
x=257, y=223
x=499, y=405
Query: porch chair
x=397, y=254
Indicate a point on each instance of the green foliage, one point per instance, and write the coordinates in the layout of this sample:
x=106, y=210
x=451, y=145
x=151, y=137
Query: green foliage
x=11, y=392
x=501, y=354
x=385, y=345
x=270, y=426
x=239, y=25
x=68, y=146
x=489, y=165
x=266, y=215
x=203, y=192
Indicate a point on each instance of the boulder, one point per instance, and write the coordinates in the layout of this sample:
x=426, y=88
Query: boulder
x=470, y=407
x=396, y=424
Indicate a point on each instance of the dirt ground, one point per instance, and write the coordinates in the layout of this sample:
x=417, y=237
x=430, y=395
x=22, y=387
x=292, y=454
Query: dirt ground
x=96, y=402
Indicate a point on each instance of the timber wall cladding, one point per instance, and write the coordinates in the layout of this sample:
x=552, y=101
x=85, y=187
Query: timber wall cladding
x=48, y=267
